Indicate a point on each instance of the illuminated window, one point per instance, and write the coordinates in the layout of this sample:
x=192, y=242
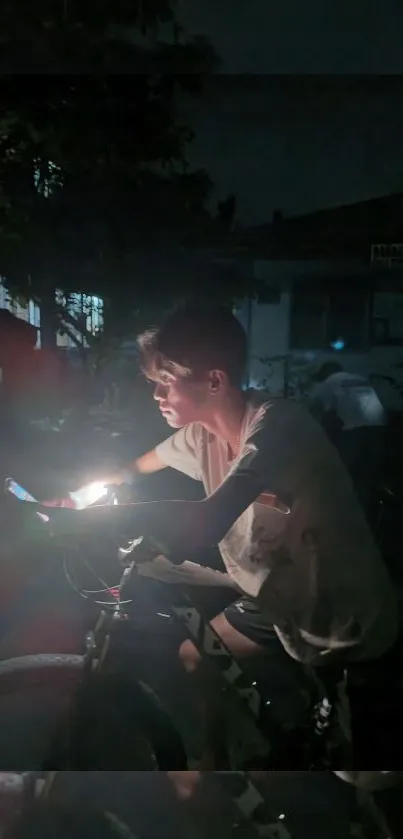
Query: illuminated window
x=47, y=177
x=84, y=317
x=24, y=310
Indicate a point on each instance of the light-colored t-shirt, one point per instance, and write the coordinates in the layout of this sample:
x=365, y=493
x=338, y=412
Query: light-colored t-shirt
x=351, y=398
x=309, y=557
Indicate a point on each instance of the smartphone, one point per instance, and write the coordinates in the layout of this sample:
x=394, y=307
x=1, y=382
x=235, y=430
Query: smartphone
x=22, y=494
x=17, y=490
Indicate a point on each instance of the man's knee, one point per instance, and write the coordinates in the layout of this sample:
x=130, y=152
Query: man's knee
x=189, y=656
x=238, y=644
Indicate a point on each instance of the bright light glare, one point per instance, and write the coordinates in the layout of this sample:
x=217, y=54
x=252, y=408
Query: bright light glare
x=282, y=816
x=95, y=492
x=89, y=494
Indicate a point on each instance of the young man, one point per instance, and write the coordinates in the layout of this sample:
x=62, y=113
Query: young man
x=279, y=503
x=354, y=418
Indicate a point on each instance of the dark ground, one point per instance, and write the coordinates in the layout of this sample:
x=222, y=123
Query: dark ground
x=313, y=805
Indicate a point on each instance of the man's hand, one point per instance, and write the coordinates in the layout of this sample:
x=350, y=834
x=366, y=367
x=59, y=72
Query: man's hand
x=178, y=528
x=119, y=523
x=118, y=478
x=91, y=523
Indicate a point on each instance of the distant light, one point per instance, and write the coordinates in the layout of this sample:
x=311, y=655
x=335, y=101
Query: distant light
x=338, y=344
x=282, y=816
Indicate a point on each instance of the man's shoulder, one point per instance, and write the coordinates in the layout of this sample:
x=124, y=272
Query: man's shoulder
x=265, y=410
x=264, y=403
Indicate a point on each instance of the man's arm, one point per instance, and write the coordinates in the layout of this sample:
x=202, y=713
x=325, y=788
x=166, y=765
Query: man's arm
x=179, y=451
x=183, y=527
x=146, y=464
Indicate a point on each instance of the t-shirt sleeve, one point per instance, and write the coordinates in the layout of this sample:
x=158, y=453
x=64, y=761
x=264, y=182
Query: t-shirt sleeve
x=273, y=445
x=181, y=451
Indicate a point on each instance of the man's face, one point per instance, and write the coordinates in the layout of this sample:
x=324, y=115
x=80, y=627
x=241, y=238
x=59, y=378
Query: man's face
x=181, y=400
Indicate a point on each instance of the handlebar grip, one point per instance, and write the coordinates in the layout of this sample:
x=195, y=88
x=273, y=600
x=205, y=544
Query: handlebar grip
x=149, y=548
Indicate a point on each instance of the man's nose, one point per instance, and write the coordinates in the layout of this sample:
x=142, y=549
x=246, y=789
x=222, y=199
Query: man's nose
x=159, y=391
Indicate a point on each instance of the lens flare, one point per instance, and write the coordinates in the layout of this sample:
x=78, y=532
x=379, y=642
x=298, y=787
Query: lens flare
x=88, y=494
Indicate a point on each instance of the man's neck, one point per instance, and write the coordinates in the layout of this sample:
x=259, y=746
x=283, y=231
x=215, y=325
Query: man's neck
x=226, y=423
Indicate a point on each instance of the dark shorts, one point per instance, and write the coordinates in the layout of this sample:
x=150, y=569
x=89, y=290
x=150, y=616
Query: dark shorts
x=245, y=616
x=242, y=613
x=281, y=679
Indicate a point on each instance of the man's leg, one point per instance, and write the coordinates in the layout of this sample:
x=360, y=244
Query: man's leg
x=248, y=636
x=209, y=690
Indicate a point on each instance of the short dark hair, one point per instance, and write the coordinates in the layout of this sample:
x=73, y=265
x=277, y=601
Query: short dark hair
x=329, y=368
x=194, y=339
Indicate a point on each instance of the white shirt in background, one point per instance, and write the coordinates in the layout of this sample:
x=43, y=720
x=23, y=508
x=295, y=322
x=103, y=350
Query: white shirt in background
x=351, y=398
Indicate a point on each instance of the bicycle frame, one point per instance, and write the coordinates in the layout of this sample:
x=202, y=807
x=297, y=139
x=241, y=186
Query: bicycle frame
x=258, y=730
x=248, y=700
x=251, y=705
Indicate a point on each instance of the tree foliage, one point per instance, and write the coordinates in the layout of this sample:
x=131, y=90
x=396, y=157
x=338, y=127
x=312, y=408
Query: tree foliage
x=93, y=173
x=96, y=193
x=87, y=36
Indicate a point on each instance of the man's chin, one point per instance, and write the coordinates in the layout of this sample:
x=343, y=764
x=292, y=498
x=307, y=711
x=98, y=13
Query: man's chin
x=172, y=421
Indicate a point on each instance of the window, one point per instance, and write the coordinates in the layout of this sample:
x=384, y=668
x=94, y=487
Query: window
x=47, y=177
x=307, y=327
x=269, y=295
x=26, y=310
x=86, y=317
x=321, y=316
x=387, y=318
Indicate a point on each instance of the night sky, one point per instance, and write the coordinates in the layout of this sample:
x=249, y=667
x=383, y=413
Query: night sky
x=298, y=143
x=291, y=151
x=336, y=36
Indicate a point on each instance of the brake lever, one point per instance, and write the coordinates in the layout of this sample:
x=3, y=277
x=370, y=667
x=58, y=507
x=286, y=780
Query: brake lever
x=139, y=551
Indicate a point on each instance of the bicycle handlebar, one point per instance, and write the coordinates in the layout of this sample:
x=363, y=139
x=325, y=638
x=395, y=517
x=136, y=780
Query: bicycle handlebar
x=65, y=522
x=59, y=512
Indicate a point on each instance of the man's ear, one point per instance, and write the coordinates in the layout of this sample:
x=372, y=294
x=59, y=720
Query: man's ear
x=216, y=380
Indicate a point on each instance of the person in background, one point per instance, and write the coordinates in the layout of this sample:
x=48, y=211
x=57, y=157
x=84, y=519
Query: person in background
x=354, y=419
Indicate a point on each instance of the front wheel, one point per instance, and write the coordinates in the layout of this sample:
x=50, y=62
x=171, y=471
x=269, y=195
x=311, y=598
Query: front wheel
x=51, y=719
